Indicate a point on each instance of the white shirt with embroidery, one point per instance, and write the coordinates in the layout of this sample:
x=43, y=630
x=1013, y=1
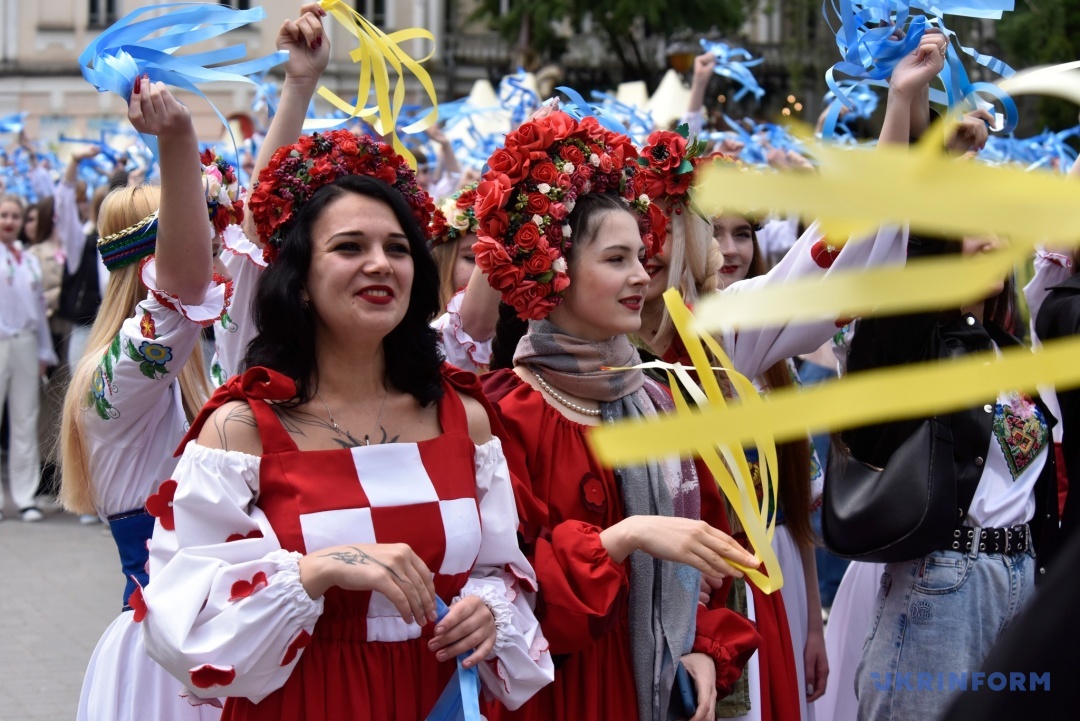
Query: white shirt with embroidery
x=1005, y=495
x=22, y=299
x=234, y=330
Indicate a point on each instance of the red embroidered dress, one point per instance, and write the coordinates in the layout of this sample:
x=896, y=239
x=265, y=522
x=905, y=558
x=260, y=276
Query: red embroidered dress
x=583, y=592
x=227, y=613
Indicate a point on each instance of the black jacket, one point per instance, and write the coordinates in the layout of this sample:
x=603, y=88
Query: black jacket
x=882, y=342
x=1059, y=317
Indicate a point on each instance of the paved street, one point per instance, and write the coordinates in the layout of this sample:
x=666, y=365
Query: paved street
x=60, y=587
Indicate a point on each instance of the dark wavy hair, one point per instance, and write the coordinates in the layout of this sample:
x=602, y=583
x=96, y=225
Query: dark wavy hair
x=285, y=331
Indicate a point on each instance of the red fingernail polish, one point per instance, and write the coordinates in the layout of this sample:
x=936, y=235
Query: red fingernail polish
x=322, y=12
x=138, y=82
x=318, y=42
x=314, y=45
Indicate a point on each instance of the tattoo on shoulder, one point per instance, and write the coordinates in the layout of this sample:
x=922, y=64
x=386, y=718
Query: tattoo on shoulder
x=240, y=414
x=356, y=557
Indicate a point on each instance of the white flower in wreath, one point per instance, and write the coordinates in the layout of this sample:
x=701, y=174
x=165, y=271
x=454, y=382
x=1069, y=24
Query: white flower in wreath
x=539, y=220
x=568, y=168
x=595, y=160
x=569, y=205
x=566, y=230
x=559, y=266
x=544, y=188
x=460, y=221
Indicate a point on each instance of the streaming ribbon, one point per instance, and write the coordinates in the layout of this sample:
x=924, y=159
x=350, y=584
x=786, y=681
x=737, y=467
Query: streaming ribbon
x=579, y=109
x=13, y=123
x=133, y=47
x=735, y=64
x=639, y=123
x=1028, y=208
x=375, y=51
x=875, y=35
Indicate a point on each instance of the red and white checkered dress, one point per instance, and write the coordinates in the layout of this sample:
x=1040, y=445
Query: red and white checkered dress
x=227, y=614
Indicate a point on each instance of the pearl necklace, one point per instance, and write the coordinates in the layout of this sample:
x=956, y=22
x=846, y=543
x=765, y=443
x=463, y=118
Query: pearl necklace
x=569, y=404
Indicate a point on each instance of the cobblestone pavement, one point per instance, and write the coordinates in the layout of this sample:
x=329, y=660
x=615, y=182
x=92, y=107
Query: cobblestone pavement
x=60, y=588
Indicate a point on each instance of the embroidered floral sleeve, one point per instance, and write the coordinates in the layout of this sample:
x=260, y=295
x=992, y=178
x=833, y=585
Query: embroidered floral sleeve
x=459, y=347
x=134, y=383
x=520, y=665
x=226, y=613
x=234, y=330
x=754, y=351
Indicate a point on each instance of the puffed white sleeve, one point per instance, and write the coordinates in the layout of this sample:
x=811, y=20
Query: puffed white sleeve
x=753, y=351
x=225, y=612
x=461, y=349
x=1050, y=269
x=235, y=329
x=520, y=664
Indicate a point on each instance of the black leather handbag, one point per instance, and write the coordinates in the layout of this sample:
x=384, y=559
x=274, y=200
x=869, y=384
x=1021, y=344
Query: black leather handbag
x=901, y=512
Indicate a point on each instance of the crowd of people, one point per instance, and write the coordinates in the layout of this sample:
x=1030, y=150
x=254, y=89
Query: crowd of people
x=382, y=465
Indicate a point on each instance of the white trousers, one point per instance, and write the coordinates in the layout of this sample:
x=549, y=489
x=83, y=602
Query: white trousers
x=20, y=387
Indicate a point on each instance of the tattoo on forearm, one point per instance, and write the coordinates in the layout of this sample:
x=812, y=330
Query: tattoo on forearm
x=356, y=557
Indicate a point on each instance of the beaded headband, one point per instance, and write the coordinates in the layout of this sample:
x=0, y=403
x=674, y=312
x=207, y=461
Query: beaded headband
x=129, y=245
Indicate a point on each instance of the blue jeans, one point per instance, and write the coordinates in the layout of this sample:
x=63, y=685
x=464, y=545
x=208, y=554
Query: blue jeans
x=936, y=616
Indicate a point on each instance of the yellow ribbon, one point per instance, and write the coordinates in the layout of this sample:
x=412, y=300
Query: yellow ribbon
x=375, y=51
x=727, y=462
x=913, y=391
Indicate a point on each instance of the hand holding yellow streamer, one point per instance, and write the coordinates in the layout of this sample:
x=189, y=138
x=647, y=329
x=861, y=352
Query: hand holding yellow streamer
x=376, y=50
x=736, y=485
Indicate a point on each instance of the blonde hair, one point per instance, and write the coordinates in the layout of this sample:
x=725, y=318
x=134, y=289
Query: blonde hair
x=120, y=209
x=693, y=264
x=445, y=255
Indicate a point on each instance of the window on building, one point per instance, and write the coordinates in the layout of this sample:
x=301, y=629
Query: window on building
x=373, y=10
x=102, y=13
x=236, y=4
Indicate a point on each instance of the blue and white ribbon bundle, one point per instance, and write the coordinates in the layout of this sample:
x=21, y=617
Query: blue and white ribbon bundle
x=13, y=123
x=757, y=139
x=735, y=64
x=1047, y=151
x=579, y=108
x=137, y=45
x=517, y=99
x=460, y=700
x=875, y=35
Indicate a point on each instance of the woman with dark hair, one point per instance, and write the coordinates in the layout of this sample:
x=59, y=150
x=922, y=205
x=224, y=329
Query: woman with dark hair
x=618, y=553
x=959, y=597
x=346, y=481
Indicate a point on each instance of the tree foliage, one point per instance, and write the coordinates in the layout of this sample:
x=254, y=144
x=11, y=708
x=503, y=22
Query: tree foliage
x=530, y=24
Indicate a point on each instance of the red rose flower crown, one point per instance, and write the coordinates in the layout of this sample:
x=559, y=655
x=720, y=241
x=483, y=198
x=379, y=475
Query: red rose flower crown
x=668, y=164
x=532, y=185
x=296, y=171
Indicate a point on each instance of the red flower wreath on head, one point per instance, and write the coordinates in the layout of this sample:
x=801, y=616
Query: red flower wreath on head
x=668, y=163
x=530, y=189
x=296, y=171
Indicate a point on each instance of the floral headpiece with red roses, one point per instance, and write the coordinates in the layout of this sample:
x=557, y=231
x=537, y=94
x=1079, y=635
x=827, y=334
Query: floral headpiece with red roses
x=223, y=191
x=530, y=189
x=668, y=162
x=454, y=217
x=296, y=171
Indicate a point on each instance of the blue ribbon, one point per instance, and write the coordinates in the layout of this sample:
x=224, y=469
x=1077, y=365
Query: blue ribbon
x=875, y=35
x=735, y=64
x=639, y=124
x=13, y=123
x=1039, y=151
x=460, y=700
x=579, y=109
x=133, y=47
